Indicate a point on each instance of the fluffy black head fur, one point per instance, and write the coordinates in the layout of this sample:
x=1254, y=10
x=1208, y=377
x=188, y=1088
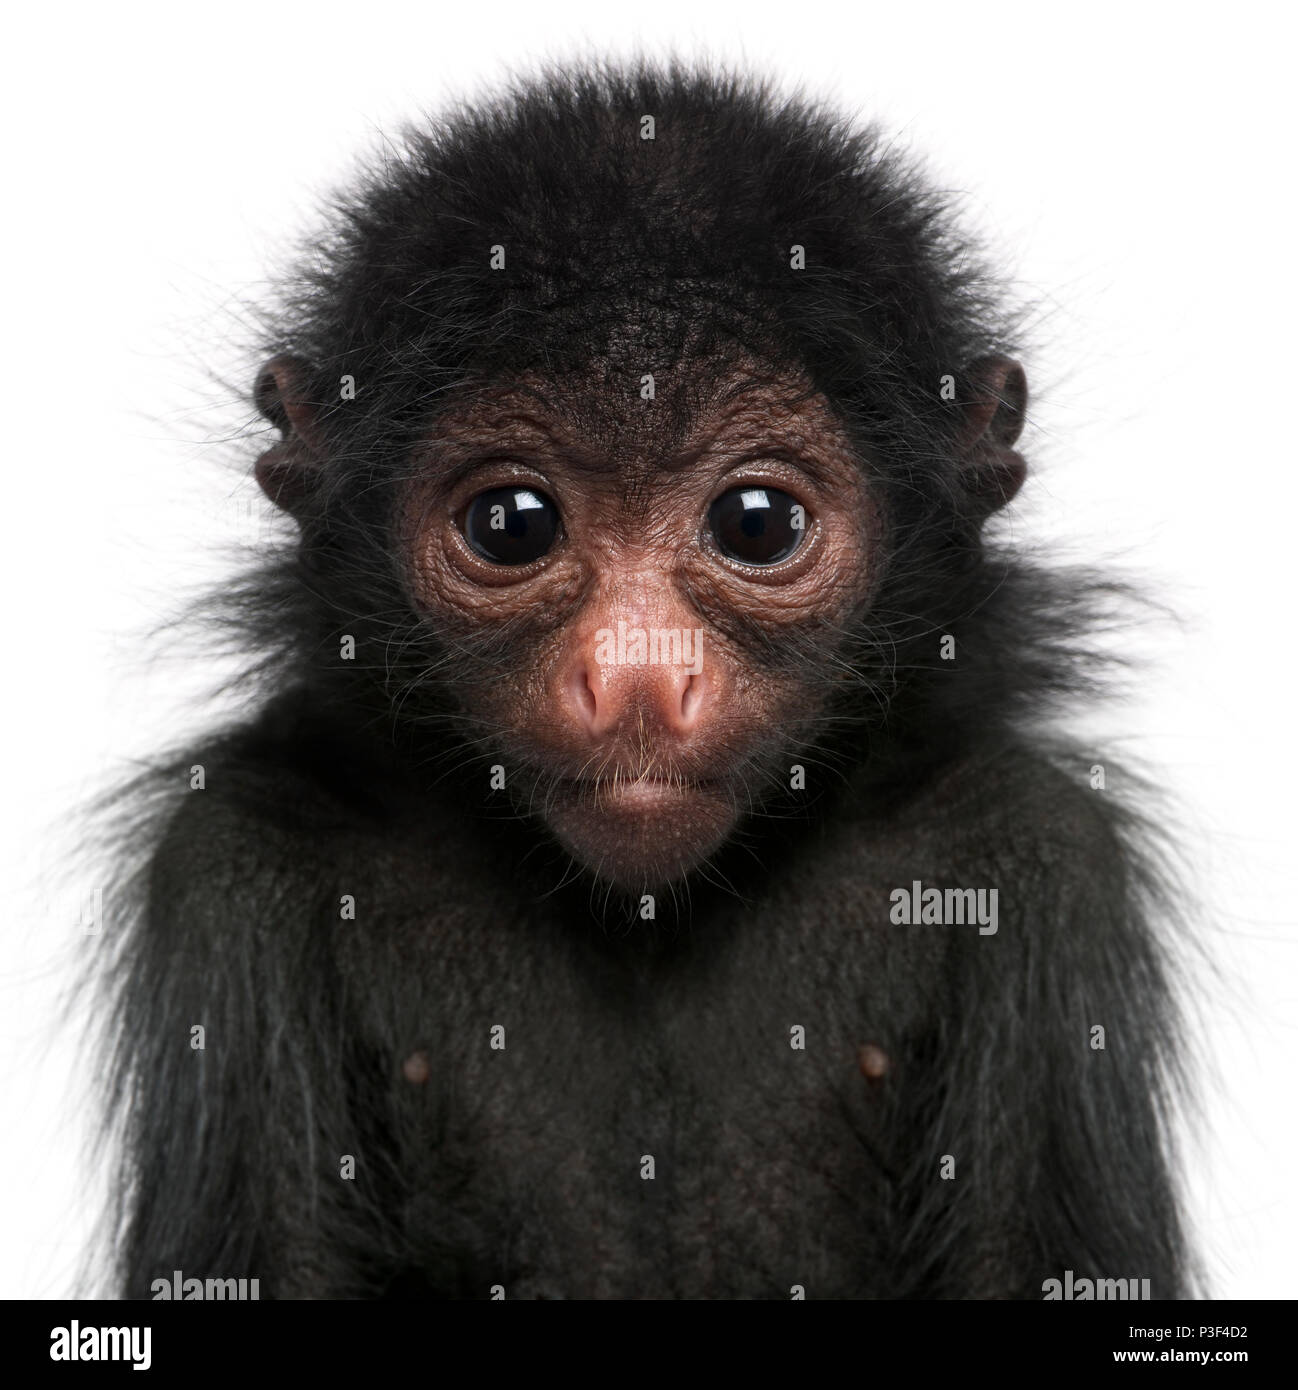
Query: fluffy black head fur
x=621, y=251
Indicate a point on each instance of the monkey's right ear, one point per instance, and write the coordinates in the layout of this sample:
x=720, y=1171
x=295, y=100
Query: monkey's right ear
x=290, y=470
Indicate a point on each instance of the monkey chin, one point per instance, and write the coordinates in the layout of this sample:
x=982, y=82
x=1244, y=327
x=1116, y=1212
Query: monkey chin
x=643, y=835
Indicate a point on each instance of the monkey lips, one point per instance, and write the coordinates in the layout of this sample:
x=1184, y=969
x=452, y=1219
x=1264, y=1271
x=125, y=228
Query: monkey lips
x=640, y=832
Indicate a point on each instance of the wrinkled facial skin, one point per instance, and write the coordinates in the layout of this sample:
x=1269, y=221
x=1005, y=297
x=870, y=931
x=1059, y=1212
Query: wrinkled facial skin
x=641, y=768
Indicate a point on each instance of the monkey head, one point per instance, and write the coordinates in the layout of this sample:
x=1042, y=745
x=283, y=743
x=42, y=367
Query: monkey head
x=618, y=495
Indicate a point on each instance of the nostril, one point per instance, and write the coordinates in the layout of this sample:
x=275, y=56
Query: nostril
x=692, y=699
x=584, y=695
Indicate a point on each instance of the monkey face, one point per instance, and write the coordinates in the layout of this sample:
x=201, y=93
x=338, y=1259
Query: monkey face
x=636, y=602
x=647, y=613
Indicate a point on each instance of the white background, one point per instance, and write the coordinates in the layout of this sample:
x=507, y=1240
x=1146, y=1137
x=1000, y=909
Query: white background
x=1131, y=167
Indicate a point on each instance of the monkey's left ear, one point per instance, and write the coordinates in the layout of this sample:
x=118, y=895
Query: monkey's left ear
x=290, y=470
x=990, y=468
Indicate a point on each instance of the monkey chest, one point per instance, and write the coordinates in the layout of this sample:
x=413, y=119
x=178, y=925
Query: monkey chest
x=654, y=1152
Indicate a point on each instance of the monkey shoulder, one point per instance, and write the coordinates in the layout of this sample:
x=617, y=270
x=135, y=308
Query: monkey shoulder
x=1034, y=803
x=1025, y=815
x=276, y=798
x=286, y=815
x=1004, y=872
x=1076, y=868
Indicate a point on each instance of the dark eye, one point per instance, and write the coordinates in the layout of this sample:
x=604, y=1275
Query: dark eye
x=511, y=525
x=757, y=525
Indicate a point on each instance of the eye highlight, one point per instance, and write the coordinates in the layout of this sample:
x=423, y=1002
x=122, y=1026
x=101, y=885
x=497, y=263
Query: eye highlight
x=757, y=525
x=511, y=525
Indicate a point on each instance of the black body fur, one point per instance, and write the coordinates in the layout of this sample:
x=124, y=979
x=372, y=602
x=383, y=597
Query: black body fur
x=520, y=1168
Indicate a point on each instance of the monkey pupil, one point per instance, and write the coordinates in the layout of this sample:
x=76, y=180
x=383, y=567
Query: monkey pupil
x=511, y=525
x=754, y=525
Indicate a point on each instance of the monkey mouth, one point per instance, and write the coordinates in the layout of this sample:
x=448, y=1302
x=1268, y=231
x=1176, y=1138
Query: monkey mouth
x=646, y=791
x=640, y=832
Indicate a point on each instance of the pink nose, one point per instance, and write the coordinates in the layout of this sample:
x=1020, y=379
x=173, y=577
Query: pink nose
x=602, y=696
